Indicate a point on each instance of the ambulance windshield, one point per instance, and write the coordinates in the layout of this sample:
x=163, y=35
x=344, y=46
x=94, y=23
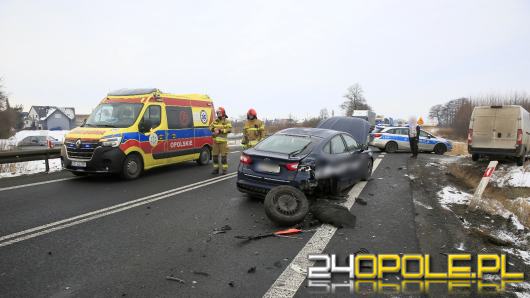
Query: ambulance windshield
x=117, y=114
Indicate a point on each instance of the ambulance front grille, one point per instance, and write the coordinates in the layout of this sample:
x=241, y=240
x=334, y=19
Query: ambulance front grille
x=84, y=150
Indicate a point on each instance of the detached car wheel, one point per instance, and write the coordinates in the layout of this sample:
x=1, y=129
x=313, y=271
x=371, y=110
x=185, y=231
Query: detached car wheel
x=132, y=167
x=204, y=156
x=286, y=205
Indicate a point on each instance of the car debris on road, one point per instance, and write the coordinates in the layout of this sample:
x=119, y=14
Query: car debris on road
x=333, y=214
x=221, y=230
x=361, y=201
x=172, y=278
x=282, y=233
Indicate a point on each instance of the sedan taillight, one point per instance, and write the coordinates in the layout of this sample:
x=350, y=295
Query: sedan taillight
x=293, y=166
x=245, y=159
x=377, y=135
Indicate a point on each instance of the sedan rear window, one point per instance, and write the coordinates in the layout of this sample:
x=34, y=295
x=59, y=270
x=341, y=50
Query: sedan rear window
x=286, y=144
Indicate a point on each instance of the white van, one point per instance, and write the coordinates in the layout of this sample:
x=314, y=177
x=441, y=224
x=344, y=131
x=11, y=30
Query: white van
x=499, y=131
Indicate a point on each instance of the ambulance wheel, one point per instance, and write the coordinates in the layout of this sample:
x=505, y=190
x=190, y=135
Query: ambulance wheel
x=286, y=205
x=204, y=156
x=132, y=167
x=475, y=157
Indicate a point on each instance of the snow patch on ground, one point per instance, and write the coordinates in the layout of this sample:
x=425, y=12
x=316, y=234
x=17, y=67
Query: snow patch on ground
x=446, y=160
x=509, y=237
x=512, y=176
x=522, y=254
x=450, y=195
x=28, y=167
x=524, y=288
x=516, y=223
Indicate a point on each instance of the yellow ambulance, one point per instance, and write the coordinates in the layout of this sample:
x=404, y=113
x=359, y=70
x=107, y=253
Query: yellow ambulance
x=132, y=130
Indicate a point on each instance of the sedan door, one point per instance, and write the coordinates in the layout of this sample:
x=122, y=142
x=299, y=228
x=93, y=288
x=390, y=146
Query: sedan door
x=359, y=161
x=427, y=141
x=342, y=161
x=402, y=136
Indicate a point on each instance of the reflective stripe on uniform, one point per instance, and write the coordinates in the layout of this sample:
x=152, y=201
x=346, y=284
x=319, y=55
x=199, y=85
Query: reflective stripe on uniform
x=220, y=140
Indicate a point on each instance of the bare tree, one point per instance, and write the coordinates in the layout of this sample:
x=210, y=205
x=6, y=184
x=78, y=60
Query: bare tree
x=456, y=113
x=323, y=113
x=435, y=113
x=354, y=100
x=10, y=118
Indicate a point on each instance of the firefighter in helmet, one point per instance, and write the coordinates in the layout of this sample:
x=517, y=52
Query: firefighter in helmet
x=253, y=131
x=220, y=129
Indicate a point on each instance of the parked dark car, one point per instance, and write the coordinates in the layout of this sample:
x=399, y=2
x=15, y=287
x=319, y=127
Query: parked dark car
x=311, y=160
x=37, y=142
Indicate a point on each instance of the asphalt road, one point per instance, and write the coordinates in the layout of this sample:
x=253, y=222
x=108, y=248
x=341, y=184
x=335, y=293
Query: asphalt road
x=104, y=237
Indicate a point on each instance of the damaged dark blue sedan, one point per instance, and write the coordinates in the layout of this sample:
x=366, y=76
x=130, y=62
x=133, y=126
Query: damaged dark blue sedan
x=296, y=162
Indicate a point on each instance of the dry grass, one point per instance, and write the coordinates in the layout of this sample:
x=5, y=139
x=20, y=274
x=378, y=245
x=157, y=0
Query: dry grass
x=444, y=132
x=459, y=149
x=495, y=200
x=8, y=168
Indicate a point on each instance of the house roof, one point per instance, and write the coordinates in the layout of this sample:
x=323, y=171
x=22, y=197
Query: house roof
x=43, y=112
x=69, y=112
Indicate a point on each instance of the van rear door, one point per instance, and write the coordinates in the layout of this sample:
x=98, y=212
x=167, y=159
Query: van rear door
x=495, y=127
x=505, y=130
x=483, y=125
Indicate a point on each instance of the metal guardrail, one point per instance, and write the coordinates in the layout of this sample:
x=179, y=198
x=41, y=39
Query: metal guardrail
x=30, y=155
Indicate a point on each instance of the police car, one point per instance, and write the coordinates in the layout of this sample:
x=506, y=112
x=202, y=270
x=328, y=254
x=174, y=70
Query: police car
x=393, y=139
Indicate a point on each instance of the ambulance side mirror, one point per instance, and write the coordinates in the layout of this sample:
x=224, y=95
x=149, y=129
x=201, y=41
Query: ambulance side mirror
x=145, y=126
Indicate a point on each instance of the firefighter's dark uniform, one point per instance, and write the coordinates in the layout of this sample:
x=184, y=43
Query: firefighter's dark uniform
x=253, y=133
x=220, y=142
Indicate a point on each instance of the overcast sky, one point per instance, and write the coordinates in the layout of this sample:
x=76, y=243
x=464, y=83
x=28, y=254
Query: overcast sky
x=279, y=57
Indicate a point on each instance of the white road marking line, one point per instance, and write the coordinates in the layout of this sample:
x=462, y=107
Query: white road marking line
x=36, y=183
x=58, y=225
x=235, y=151
x=290, y=280
x=50, y=181
x=109, y=208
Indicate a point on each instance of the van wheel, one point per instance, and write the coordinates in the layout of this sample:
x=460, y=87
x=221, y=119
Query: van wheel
x=520, y=160
x=204, y=156
x=391, y=147
x=475, y=157
x=440, y=149
x=286, y=205
x=132, y=167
